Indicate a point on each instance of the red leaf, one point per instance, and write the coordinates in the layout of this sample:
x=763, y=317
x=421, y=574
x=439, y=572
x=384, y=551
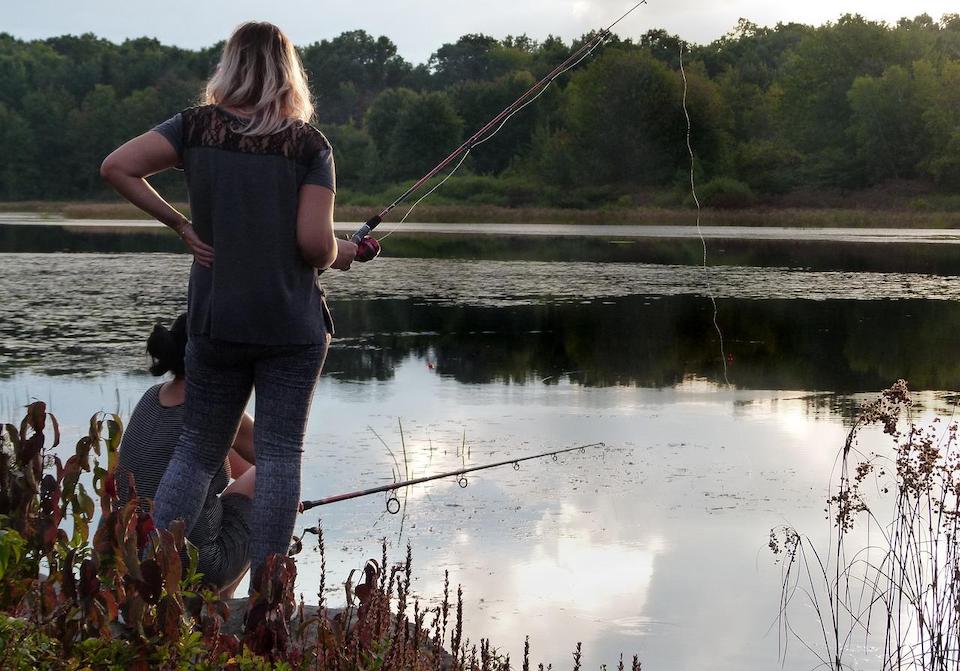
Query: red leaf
x=151, y=586
x=89, y=582
x=109, y=605
x=29, y=449
x=145, y=527
x=178, y=531
x=37, y=416
x=110, y=486
x=169, y=558
x=69, y=581
x=56, y=430
x=169, y=613
x=50, y=496
x=105, y=537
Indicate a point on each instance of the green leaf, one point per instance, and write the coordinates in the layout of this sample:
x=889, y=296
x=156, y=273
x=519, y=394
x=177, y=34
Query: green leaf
x=4, y=558
x=84, y=502
x=114, y=435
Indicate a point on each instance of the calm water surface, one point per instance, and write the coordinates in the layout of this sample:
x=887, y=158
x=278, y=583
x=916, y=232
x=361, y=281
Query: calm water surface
x=655, y=545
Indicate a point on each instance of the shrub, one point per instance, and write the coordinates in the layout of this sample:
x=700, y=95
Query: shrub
x=726, y=193
x=767, y=166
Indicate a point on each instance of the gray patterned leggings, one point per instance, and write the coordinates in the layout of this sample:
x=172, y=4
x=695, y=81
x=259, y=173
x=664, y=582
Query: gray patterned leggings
x=220, y=377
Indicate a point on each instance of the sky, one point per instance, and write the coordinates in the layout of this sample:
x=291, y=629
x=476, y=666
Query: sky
x=418, y=27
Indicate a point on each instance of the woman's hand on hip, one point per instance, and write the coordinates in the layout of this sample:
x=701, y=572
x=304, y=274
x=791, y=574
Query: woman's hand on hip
x=202, y=252
x=346, y=253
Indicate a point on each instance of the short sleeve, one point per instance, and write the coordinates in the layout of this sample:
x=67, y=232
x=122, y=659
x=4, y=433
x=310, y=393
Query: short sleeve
x=322, y=170
x=172, y=129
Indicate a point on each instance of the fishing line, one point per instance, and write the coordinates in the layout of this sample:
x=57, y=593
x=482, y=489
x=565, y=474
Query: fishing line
x=545, y=85
x=396, y=475
x=703, y=241
x=420, y=199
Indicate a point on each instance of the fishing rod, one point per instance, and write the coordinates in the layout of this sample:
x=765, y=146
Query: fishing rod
x=393, y=503
x=370, y=248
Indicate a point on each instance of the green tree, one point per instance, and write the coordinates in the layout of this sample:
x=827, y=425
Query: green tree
x=623, y=122
x=942, y=122
x=662, y=45
x=349, y=71
x=19, y=169
x=477, y=102
x=47, y=112
x=472, y=57
x=86, y=61
x=427, y=129
x=547, y=55
x=354, y=155
x=382, y=116
x=92, y=134
x=887, y=123
x=757, y=53
x=14, y=78
x=817, y=78
x=43, y=68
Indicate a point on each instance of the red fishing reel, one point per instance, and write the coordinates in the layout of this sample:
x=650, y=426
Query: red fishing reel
x=367, y=249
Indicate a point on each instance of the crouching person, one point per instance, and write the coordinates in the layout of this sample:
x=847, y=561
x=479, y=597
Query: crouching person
x=222, y=531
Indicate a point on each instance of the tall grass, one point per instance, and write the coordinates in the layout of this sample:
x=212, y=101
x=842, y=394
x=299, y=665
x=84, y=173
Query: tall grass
x=900, y=592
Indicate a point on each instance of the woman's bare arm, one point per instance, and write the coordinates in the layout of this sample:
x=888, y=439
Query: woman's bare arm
x=126, y=169
x=315, y=226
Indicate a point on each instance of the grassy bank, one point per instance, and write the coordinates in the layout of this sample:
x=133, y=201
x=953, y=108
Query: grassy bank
x=659, y=216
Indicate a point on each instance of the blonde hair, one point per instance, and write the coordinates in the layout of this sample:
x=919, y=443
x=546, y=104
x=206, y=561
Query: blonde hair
x=260, y=70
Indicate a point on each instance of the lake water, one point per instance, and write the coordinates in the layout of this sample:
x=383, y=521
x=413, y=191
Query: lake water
x=654, y=545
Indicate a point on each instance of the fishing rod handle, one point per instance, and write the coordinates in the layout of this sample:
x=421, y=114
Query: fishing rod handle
x=364, y=230
x=368, y=248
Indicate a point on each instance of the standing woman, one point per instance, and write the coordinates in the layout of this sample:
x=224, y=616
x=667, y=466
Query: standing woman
x=261, y=182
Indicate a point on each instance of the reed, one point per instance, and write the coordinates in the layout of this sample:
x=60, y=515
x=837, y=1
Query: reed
x=902, y=592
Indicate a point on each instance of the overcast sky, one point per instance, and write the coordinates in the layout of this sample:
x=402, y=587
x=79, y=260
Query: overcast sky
x=418, y=27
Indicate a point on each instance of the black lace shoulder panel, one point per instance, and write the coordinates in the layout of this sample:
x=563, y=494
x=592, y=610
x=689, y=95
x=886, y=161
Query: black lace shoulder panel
x=209, y=126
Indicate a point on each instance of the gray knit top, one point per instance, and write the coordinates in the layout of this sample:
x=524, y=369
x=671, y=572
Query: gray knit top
x=145, y=451
x=244, y=193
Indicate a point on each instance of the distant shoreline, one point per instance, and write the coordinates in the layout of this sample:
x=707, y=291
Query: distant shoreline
x=638, y=216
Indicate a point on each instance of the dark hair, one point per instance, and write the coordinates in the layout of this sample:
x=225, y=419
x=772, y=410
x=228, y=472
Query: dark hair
x=167, y=347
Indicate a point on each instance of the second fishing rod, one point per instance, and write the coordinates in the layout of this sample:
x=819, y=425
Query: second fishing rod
x=460, y=474
x=369, y=247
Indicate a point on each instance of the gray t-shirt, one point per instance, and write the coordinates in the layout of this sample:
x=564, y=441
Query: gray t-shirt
x=243, y=193
x=146, y=448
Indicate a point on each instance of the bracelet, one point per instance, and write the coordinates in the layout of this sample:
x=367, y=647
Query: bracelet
x=182, y=225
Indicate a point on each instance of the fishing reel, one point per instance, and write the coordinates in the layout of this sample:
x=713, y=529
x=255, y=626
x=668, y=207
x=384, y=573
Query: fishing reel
x=367, y=249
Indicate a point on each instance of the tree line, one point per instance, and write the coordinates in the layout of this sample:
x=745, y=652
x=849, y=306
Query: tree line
x=851, y=104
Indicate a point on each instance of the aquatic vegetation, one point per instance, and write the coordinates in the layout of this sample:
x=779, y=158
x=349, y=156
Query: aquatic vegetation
x=130, y=596
x=673, y=211
x=900, y=593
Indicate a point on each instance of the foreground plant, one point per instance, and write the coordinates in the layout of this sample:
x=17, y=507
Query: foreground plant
x=131, y=596
x=903, y=592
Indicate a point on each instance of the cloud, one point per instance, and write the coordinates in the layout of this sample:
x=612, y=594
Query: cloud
x=580, y=9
